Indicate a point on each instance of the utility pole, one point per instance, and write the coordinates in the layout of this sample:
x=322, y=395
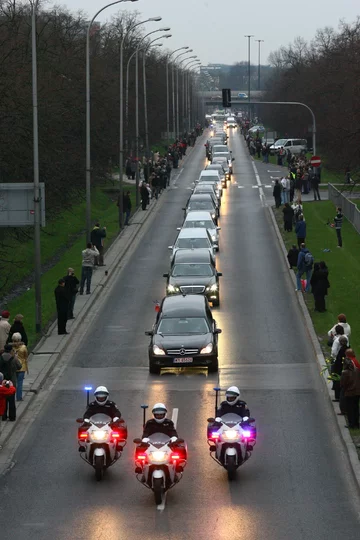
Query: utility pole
x=259, y=62
x=249, y=71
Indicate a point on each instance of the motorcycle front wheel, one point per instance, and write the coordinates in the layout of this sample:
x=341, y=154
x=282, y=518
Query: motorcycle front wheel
x=158, y=490
x=99, y=468
x=231, y=467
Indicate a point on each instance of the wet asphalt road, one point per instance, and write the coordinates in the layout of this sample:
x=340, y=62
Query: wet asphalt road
x=297, y=484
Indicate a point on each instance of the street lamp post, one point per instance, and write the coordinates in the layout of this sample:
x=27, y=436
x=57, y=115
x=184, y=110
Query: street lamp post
x=177, y=90
x=259, y=42
x=88, y=142
x=168, y=95
x=173, y=92
x=121, y=134
x=249, y=71
x=192, y=66
x=186, y=90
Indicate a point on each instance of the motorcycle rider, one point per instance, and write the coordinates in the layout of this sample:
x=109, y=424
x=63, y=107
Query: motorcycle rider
x=233, y=404
x=102, y=405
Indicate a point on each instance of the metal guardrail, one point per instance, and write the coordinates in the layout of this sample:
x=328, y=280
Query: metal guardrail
x=349, y=209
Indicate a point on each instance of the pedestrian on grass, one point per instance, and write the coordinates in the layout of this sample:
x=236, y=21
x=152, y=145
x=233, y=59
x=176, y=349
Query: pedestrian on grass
x=62, y=306
x=300, y=230
x=21, y=352
x=4, y=329
x=339, y=331
x=342, y=322
x=337, y=366
x=350, y=383
x=277, y=193
x=88, y=261
x=304, y=266
x=7, y=389
x=9, y=364
x=72, y=287
x=319, y=287
x=18, y=326
x=127, y=207
x=97, y=239
x=338, y=221
x=288, y=217
x=315, y=181
x=292, y=256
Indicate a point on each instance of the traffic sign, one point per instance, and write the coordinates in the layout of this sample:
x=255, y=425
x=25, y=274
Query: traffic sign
x=315, y=161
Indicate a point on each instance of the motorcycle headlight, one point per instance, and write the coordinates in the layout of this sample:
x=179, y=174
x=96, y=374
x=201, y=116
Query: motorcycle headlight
x=157, y=351
x=172, y=288
x=158, y=456
x=208, y=349
x=230, y=435
x=99, y=435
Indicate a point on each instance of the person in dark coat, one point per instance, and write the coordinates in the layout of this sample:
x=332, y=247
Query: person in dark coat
x=128, y=168
x=144, y=196
x=18, y=327
x=319, y=286
x=350, y=383
x=72, y=288
x=300, y=230
x=337, y=366
x=292, y=256
x=62, y=306
x=127, y=207
x=288, y=217
x=9, y=365
x=277, y=193
x=97, y=239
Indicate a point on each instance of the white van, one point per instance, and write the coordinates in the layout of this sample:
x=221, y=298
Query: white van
x=296, y=146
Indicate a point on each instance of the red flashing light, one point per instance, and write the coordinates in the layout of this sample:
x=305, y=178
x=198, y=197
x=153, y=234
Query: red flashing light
x=141, y=457
x=215, y=436
x=116, y=435
x=83, y=435
x=175, y=456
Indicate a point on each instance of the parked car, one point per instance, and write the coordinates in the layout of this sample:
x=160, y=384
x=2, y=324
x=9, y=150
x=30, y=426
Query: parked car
x=296, y=146
x=184, y=334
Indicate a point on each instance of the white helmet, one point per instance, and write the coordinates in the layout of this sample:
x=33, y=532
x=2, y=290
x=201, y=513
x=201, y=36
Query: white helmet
x=101, y=395
x=159, y=411
x=232, y=395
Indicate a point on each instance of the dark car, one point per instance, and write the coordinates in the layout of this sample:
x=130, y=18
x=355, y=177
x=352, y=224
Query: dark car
x=204, y=200
x=184, y=334
x=194, y=273
x=224, y=172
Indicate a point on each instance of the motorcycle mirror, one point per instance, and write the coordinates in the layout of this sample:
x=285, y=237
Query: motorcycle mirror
x=250, y=419
x=218, y=419
x=121, y=421
x=211, y=420
x=245, y=419
x=137, y=441
x=166, y=275
x=79, y=420
x=180, y=441
x=149, y=333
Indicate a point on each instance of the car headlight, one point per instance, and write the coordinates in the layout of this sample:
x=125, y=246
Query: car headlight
x=212, y=288
x=157, y=351
x=172, y=288
x=208, y=349
x=230, y=435
x=213, y=237
x=99, y=435
x=158, y=456
x=213, y=216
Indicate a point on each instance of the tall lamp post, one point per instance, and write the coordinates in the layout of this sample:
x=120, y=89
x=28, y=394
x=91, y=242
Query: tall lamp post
x=173, y=89
x=88, y=155
x=189, y=94
x=186, y=89
x=249, y=71
x=177, y=90
x=121, y=134
x=259, y=60
x=168, y=94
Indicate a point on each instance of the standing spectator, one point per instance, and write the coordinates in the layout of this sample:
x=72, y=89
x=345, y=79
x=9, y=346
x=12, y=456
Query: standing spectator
x=350, y=383
x=72, y=287
x=350, y=354
x=288, y=217
x=9, y=364
x=21, y=352
x=127, y=206
x=304, y=265
x=18, y=326
x=277, y=193
x=319, y=283
x=292, y=256
x=339, y=331
x=338, y=221
x=88, y=261
x=298, y=187
x=128, y=168
x=144, y=196
x=4, y=329
x=342, y=322
x=300, y=230
x=62, y=306
x=6, y=389
x=97, y=239
x=315, y=181
x=337, y=366
x=133, y=167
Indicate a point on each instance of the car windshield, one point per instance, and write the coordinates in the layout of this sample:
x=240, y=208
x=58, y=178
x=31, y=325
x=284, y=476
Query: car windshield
x=176, y=326
x=202, y=205
x=280, y=142
x=203, y=224
x=200, y=270
x=192, y=243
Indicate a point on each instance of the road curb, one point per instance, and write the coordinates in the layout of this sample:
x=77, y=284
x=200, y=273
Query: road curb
x=347, y=440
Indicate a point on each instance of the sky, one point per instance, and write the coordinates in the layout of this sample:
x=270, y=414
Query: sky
x=215, y=29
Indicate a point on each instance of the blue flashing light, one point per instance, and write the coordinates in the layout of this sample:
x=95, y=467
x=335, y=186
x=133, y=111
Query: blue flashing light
x=88, y=388
x=217, y=389
x=144, y=406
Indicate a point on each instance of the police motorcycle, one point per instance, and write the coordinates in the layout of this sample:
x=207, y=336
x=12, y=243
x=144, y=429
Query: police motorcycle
x=101, y=440
x=159, y=462
x=231, y=439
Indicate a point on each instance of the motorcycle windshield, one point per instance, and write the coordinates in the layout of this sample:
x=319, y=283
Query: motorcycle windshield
x=231, y=419
x=100, y=419
x=159, y=439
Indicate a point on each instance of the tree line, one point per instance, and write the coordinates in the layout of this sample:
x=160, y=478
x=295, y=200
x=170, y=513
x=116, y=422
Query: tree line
x=325, y=75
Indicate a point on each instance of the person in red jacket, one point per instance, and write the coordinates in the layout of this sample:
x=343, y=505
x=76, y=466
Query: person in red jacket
x=6, y=389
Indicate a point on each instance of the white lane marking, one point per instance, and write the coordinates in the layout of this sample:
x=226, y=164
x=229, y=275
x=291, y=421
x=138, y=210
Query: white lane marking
x=255, y=187
x=241, y=187
x=162, y=505
x=174, y=417
x=178, y=176
x=261, y=191
x=266, y=185
x=274, y=171
x=275, y=178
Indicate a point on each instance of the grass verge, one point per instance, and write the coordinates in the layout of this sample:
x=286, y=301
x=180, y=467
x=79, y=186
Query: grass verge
x=67, y=230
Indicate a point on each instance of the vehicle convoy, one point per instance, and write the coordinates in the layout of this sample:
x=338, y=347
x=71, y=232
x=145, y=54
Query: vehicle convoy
x=103, y=434
x=223, y=171
x=160, y=456
x=202, y=220
x=196, y=238
x=203, y=201
x=184, y=334
x=232, y=433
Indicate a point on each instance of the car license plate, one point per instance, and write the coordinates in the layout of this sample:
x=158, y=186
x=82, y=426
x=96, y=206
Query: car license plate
x=183, y=360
